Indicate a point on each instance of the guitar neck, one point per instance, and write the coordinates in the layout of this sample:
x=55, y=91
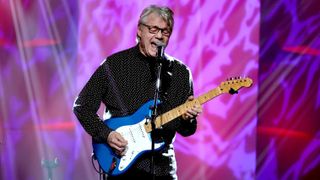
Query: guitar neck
x=178, y=111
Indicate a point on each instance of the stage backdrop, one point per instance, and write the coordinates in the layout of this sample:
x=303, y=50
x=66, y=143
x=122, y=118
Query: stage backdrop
x=49, y=49
x=288, y=145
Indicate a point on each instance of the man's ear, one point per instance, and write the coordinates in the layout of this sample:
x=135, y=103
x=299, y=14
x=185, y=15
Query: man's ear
x=139, y=32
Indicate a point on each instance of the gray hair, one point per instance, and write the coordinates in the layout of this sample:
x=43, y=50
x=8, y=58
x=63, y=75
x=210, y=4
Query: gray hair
x=165, y=12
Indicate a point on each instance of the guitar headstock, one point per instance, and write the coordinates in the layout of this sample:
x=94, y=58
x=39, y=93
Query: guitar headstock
x=232, y=85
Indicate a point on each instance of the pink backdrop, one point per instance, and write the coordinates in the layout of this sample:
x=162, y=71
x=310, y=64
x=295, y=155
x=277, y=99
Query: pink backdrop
x=217, y=40
x=49, y=49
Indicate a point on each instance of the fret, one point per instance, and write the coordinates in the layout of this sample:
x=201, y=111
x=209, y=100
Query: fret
x=224, y=87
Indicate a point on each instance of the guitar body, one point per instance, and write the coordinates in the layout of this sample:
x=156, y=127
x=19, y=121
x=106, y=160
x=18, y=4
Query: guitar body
x=138, y=134
x=139, y=141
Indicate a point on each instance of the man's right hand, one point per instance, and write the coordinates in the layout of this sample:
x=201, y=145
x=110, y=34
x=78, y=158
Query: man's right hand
x=117, y=142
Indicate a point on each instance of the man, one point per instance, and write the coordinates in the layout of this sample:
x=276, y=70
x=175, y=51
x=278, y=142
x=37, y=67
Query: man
x=126, y=80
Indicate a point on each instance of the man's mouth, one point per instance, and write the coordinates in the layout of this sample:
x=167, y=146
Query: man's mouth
x=154, y=45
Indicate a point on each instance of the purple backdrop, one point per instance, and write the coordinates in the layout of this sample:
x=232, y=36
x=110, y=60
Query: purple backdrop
x=289, y=91
x=49, y=49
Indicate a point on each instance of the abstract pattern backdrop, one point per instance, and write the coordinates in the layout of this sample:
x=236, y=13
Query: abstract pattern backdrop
x=49, y=49
x=288, y=145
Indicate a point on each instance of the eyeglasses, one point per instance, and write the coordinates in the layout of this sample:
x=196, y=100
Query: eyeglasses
x=156, y=29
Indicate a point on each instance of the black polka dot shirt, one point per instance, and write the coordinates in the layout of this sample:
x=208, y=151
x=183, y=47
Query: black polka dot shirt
x=125, y=81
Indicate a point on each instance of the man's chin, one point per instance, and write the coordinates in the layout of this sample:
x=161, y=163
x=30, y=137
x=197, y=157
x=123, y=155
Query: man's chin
x=153, y=54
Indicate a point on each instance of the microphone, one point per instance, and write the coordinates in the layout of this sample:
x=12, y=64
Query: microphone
x=160, y=47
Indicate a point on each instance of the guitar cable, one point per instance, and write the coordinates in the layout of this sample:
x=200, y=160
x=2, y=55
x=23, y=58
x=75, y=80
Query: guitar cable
x=100, y=171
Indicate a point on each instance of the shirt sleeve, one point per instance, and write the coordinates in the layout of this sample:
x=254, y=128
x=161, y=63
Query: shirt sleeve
x=87, y=104
x=183, y=127
x=187, y=128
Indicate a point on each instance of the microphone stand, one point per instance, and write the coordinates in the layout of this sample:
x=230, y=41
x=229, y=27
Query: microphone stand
x=154, y=108
x=50, y=165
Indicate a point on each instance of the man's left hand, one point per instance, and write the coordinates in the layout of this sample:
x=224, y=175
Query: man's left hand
x=193, y=112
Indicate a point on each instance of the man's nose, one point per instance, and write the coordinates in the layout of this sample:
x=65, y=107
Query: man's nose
x=159, y=34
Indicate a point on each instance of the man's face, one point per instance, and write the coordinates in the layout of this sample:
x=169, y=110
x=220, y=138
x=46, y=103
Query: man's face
x=149, y=37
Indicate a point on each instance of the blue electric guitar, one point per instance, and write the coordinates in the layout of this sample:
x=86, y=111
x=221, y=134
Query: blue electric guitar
x=138, y=133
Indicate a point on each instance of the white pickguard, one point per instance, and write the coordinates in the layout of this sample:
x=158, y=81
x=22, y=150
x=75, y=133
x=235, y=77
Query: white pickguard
x=138, y=141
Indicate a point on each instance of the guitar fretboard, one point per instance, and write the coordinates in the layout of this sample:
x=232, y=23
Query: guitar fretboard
x=178, y=111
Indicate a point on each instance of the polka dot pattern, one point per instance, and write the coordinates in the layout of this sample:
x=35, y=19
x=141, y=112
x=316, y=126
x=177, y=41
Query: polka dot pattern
x=124, y=82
